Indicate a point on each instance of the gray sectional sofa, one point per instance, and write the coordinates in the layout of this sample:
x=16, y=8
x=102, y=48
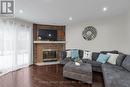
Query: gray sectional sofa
x=114, y=75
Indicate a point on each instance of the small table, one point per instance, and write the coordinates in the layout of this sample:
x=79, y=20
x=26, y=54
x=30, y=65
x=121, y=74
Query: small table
x=81, y=73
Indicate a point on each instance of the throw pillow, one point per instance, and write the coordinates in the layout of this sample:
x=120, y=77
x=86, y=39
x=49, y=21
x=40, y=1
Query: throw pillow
x=120, y=59
x=126, y=63
x=102, y=58
x=68, y=53
x=74, y=53
x=112, y=59
x=87, y=55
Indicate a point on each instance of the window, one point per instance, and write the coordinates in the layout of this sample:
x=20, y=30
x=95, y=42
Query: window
x=15, y=45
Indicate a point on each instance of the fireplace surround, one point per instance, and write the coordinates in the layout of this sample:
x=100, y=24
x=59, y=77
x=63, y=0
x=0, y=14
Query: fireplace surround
x=48, y=50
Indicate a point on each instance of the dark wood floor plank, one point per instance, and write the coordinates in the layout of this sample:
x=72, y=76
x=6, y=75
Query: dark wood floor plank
x=45, y=76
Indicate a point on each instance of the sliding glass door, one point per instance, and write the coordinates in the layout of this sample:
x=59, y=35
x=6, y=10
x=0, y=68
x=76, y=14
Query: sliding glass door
x=15, y=45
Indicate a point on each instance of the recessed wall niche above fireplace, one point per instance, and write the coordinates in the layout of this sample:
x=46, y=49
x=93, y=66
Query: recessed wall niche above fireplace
x=49, y=41
x=47, y=35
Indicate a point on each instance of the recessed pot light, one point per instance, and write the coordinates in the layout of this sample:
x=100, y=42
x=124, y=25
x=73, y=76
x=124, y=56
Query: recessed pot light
x=105, y=9
x=70, y=18
x=20, y=11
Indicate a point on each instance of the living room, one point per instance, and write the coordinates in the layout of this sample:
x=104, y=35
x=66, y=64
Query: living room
x=65, y=43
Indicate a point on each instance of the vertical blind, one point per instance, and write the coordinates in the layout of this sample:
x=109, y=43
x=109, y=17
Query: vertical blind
x=15, y=45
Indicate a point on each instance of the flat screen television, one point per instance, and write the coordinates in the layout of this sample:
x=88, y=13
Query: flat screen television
x=48, y=34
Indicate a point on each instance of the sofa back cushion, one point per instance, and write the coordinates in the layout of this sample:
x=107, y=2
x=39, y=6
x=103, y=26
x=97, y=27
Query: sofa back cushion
x=95, y=55
x=126, y=63
x=120, y=59
x=80, y=54
x=105, y=52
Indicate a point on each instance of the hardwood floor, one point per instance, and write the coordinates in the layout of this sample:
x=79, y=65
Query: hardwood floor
x=44, y=76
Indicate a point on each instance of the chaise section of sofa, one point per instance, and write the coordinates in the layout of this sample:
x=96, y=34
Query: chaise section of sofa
x=115, y=76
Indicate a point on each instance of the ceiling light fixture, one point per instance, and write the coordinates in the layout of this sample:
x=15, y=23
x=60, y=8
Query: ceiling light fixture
x=105, y=9
x=20, y=11
x=70, y=18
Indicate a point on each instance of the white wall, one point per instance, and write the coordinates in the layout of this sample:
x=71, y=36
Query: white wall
x=112, y=34
x=129, y=26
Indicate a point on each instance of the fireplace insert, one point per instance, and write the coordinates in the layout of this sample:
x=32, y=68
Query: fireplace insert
x=49, y=55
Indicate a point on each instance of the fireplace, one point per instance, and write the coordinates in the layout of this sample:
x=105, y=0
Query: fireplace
x=49, y=55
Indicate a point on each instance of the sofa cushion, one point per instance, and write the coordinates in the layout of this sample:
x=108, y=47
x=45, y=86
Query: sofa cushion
x=94, y=63
x=80, y=54
x=95, y=55
x=102, y=58
x=115, y=76
x=120, y=59
x=87, y=61
x=105, y=52
x=126, y=63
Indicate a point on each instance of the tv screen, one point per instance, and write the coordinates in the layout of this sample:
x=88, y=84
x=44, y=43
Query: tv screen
x=50, y=35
